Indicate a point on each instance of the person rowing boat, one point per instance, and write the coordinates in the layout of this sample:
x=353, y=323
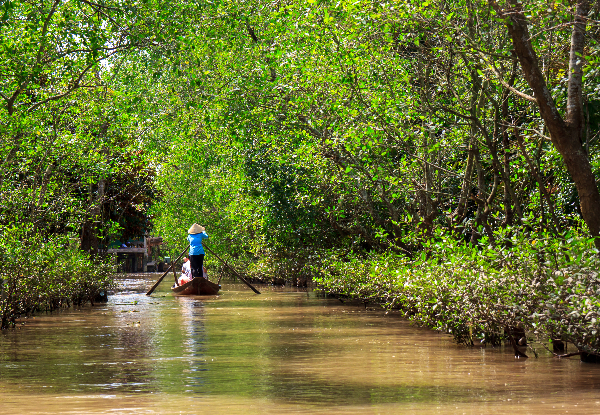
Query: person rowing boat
x=196, y=234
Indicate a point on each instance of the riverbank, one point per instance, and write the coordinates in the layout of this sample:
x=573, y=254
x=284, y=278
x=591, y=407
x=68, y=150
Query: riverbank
x=47, y=274
x=527, y=289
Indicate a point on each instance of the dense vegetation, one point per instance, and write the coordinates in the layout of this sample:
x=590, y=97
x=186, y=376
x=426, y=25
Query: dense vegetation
x=406, y=152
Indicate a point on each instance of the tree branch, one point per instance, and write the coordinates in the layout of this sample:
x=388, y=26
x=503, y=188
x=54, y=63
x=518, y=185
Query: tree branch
x=11, y=101
x=517, y=28
x=74, y=86
x=574, y=116
x=514, y=90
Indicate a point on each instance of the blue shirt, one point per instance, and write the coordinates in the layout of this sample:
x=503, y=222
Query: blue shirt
x=195, y=240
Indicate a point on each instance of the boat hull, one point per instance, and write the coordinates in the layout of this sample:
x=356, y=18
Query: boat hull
x=197, y=286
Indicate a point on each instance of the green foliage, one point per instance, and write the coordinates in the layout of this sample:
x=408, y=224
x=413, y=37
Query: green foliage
x=549, y=287
x=70, y=161
x=43, y=274
x=345, y=123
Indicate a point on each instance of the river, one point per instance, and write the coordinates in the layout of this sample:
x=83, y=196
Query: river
x=284, y=351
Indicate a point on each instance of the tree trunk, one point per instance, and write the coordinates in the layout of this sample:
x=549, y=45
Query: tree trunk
x=460, y=211
x=509, y=194
x=566, y=133
x=90, y=241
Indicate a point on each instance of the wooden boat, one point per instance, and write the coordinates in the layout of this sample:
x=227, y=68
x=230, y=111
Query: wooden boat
x=197, y=286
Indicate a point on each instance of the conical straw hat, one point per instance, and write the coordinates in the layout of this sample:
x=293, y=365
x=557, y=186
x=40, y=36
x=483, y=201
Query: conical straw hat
x=196, y=229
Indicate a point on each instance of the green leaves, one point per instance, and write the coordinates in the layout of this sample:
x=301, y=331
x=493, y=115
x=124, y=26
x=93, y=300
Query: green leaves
x=454, y=290
x=43, y=274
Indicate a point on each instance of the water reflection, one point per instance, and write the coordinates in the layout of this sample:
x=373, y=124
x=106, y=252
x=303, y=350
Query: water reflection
x=279, y=352
x=195, y=344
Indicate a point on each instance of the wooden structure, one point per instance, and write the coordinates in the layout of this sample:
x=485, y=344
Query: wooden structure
x=136, y=257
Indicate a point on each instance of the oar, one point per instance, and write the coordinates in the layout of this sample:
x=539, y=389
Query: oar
x=234, y=271
x=166, y=272
x=175, y=276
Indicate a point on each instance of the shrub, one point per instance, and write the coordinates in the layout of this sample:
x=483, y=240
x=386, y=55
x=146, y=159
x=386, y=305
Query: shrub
x=43, y=274
x=548, y=286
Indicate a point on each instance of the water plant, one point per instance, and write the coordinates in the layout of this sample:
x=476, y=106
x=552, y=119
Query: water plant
x=44, y=274
x=546, y=287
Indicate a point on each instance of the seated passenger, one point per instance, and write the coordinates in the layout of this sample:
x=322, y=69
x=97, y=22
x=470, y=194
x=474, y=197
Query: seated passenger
x=186, y=272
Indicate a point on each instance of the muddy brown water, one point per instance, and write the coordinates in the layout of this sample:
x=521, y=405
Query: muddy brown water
x=284, y=351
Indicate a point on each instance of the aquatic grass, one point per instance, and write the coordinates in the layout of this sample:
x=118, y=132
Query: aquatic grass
x=44, y=274
x=545, y=287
